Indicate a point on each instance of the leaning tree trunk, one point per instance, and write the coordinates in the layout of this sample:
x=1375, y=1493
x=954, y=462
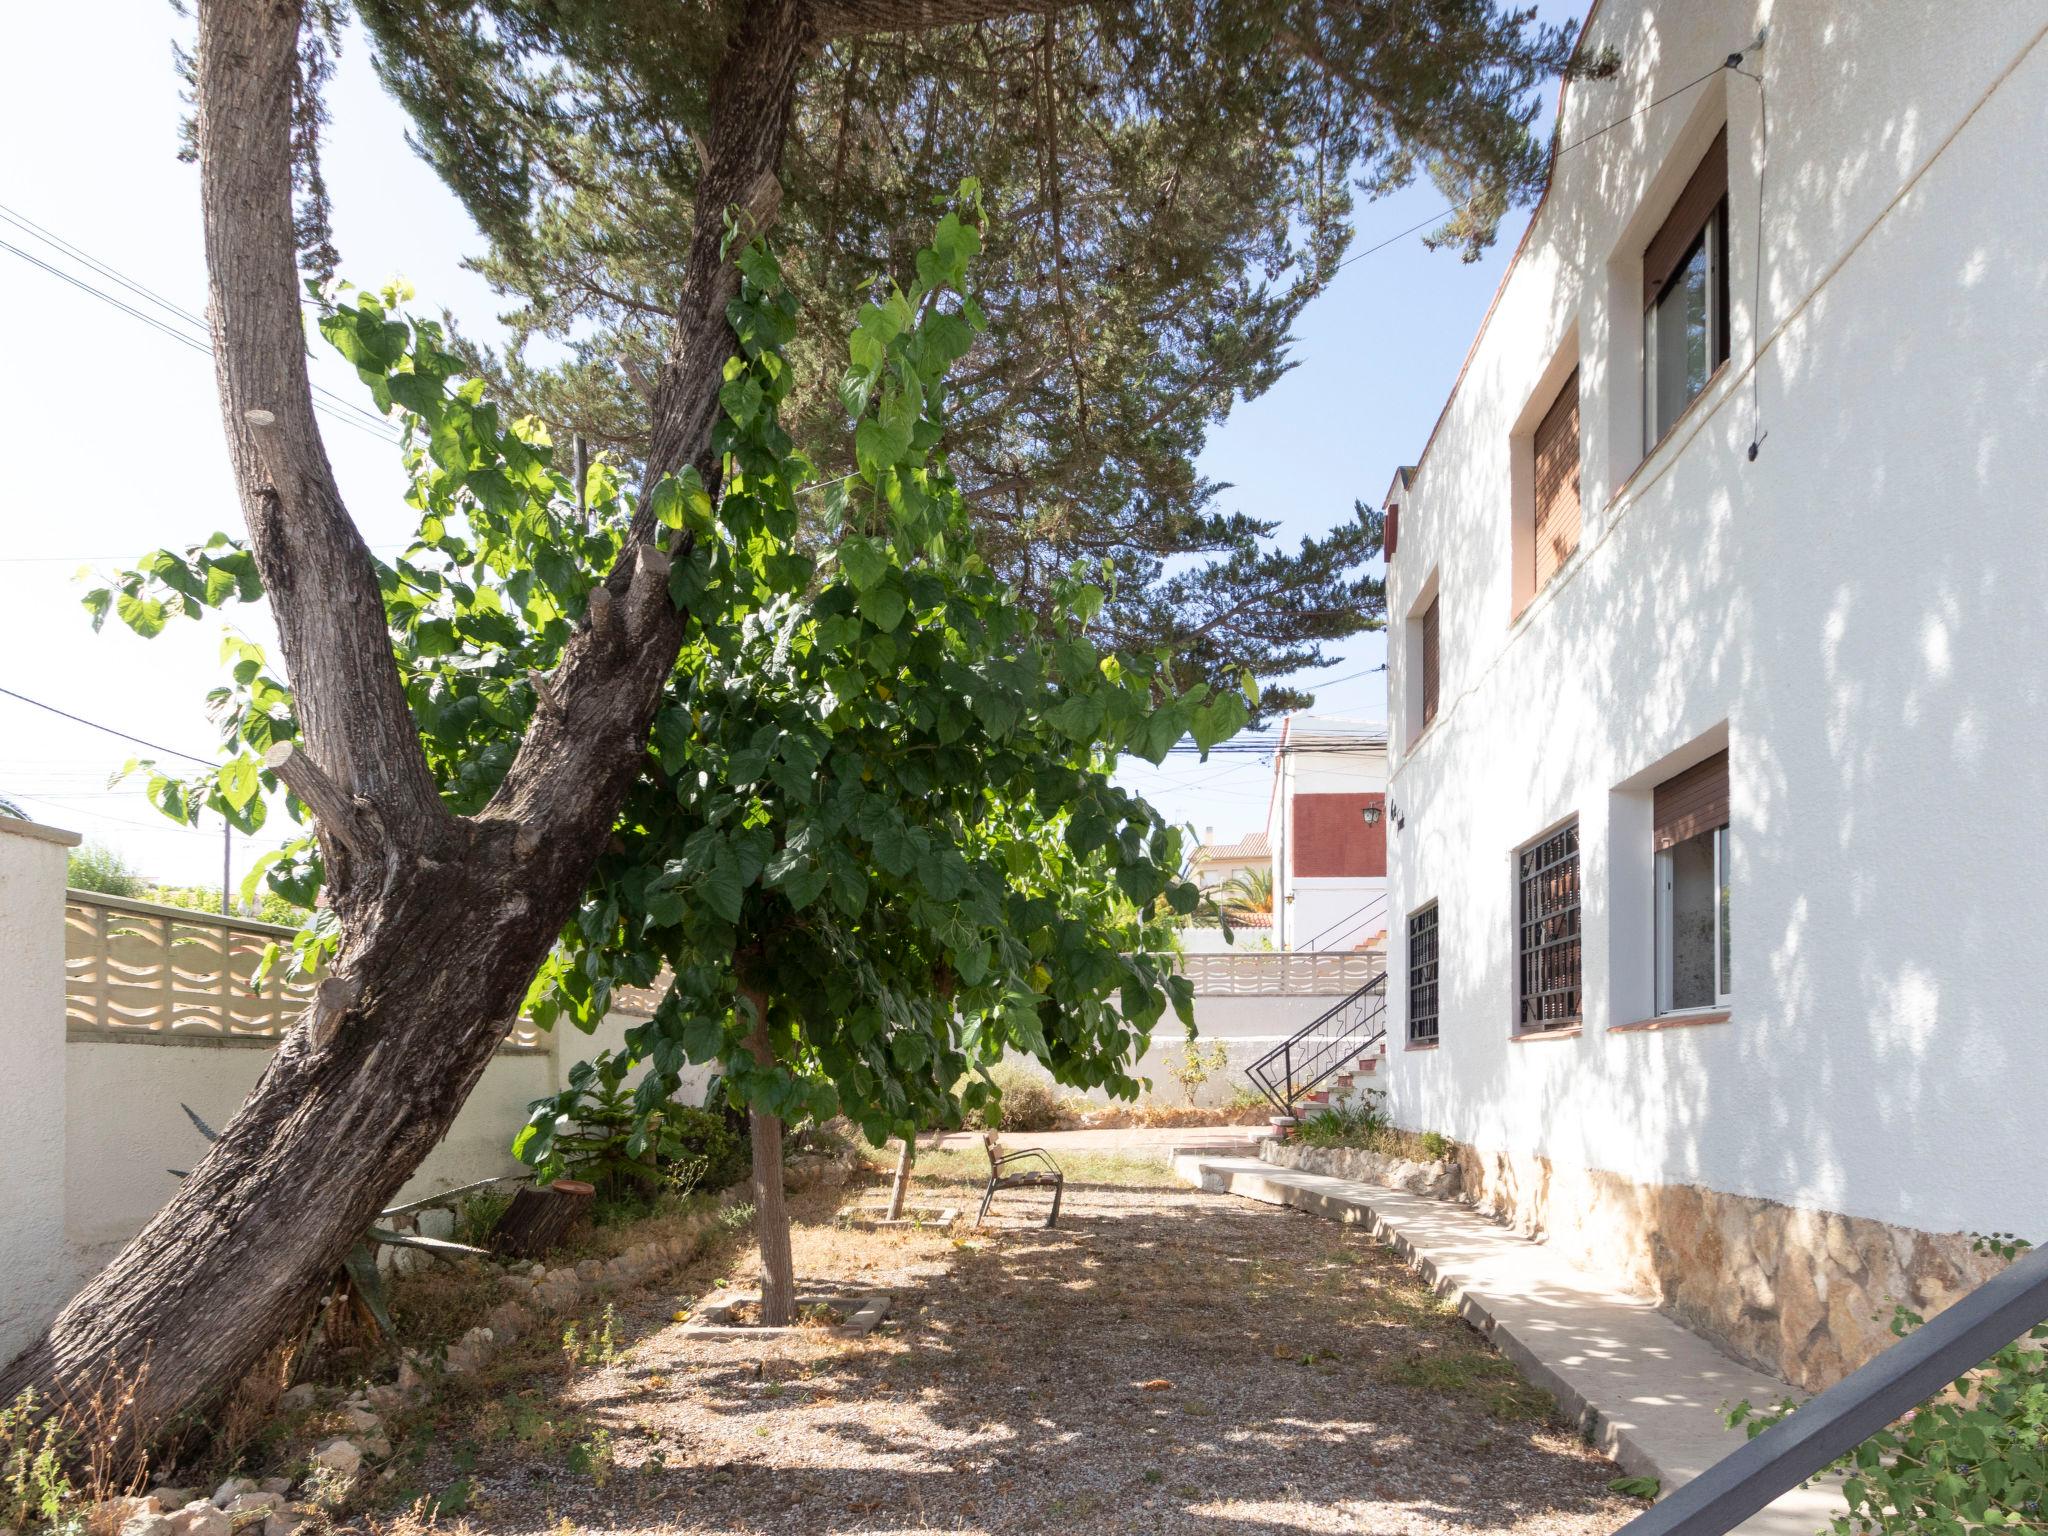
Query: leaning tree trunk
x=771, y=1212
x=444, y=919
x=901, y=1187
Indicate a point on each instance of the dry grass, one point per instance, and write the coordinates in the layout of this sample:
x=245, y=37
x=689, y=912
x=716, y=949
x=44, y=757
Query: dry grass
x=1165, y=1361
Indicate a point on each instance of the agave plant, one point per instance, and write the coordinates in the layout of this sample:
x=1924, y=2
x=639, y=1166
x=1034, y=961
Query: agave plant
x=360, y=1279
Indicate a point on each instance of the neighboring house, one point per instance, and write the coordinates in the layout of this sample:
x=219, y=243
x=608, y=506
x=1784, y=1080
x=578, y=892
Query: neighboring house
x=1326, y=828
x=1719, y=679
x=1216, y=864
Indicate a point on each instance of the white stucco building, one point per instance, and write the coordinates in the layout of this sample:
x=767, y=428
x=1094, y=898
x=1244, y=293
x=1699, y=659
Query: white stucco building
x=1326, y=831
x=1719, y=799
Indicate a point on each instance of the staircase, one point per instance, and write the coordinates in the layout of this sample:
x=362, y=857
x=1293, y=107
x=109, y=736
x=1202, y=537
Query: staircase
x=1328, y=1059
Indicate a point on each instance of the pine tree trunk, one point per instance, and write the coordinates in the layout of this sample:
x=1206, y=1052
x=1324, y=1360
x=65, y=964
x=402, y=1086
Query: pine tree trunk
x=771, y=1212
x=443, y=919
x=901, y=1187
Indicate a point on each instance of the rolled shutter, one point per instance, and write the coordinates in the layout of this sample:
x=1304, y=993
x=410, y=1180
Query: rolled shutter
x=1557, y=483
x=1691, y=802
x=1688, y=216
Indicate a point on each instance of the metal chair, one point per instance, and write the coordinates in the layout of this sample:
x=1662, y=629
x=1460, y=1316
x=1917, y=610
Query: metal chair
x=1048, y=1176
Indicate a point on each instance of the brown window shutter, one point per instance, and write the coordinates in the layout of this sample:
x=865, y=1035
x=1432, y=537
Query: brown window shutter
x=1687, y=218
x=1691, y=802
x=1557, y=483
x=1390, y=540
x=1429, y=661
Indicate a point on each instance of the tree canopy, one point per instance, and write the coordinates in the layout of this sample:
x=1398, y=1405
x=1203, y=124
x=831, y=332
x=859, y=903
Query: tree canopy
x=875, y=845
x=1174, y=181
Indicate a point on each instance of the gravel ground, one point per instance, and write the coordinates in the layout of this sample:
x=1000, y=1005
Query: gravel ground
x=1166, y=1361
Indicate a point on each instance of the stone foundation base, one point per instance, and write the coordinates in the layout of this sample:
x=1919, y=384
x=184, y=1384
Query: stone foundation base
x=1805, y=1294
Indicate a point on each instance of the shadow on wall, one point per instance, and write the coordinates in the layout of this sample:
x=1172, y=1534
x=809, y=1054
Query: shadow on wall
x=1866, y=607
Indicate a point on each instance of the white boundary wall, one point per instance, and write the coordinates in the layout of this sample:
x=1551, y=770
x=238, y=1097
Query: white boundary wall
x=92, y=1122
x=1861, y=615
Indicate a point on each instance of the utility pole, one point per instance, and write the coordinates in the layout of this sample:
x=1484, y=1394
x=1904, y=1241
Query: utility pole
x=227, y=859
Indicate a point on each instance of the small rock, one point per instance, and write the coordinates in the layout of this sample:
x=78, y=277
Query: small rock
x=360, y=1418
x=171, y=1499
x=437, y=1222
x=339, y=1456
x=294, y=1399
x=231, y=1490
x=509, y=1320
x=202, y=1517
x=409, y=1378
x=388, y=1399
x=149, y=1523
x=246, y=1502
x=590, y=1271
x=378, y=1446
x=284, y=1522
x=276, y=1485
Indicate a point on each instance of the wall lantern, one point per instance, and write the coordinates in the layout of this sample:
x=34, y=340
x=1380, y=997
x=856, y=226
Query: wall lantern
x=1372, y=814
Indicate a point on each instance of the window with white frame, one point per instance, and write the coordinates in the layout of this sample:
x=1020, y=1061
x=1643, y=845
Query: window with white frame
x=1692, y=888
x=1685, y=296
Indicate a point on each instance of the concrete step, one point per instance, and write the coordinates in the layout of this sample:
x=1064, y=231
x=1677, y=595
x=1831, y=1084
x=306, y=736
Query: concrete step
x=1648, y=1392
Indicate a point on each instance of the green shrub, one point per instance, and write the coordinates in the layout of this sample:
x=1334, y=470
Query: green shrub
x=1349, y=1125
x=628, y=1159
x=1436, y=1146
x=476, y=1218
x=1968, y=1460
x=96, y=867
x=33, y=1456
x=1026, y=1102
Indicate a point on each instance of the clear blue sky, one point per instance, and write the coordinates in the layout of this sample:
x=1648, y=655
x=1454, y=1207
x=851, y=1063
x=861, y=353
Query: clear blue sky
x=113, y=440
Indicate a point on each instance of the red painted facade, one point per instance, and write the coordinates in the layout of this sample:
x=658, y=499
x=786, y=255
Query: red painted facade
x=1330, y=837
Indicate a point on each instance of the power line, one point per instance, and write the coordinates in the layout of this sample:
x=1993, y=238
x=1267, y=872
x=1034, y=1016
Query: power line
x=336, y=406
x=1579, y=143
x=204, y=762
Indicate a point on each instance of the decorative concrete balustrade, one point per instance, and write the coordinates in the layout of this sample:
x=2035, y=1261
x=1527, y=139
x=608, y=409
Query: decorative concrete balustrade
x=1270, y=973
x=139, y=969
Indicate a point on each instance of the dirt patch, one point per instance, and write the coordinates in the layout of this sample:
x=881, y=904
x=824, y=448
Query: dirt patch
x=1163, y=1361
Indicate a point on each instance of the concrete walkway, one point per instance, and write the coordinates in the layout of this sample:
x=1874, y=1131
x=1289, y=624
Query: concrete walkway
x=1649, y=1393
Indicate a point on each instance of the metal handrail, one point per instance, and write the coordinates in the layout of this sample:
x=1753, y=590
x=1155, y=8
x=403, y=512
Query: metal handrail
x=1801, y=1446
x=1348, y=922
x=1302, y=1068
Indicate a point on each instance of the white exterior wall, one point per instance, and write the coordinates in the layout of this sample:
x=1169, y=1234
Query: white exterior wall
x=1860, y=615
x=94, y=1124
x=35, y=1271
x=1323, y=913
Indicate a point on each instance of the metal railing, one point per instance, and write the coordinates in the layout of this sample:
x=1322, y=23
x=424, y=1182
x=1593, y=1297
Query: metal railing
x=1271, y=973
x=1347, y=925
x=1320, y=1049
x=1940, y=1351
x=142, y=970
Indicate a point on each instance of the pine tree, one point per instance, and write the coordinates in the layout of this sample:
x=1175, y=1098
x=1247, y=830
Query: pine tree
x=1173, y=182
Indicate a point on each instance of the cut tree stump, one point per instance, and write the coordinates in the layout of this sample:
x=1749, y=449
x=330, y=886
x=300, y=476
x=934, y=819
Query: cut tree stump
x=538, y=1218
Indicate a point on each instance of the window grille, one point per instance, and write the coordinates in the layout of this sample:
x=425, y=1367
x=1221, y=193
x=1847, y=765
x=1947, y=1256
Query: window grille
x=1550, y=956
x=1422, y=986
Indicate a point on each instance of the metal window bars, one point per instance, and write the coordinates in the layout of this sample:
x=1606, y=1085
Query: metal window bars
x=1549, y=942
x=1422, y=976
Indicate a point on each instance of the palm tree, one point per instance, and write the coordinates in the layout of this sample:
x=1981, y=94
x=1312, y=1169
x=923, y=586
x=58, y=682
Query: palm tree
x=1249, y=890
